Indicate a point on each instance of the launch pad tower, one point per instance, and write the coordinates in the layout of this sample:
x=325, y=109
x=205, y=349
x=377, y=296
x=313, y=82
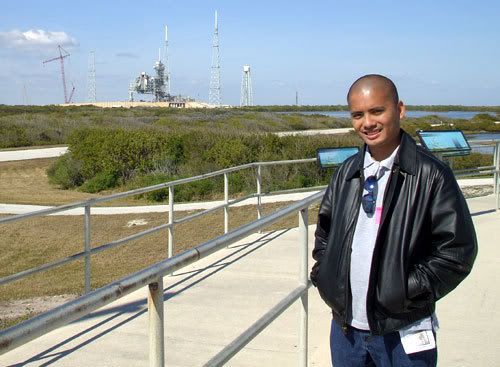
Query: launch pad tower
x=157, y=85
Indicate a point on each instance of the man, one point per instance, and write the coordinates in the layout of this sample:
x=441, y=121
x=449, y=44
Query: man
x=394, y=235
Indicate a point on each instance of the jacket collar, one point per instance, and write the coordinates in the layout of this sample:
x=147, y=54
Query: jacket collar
x=406, y=159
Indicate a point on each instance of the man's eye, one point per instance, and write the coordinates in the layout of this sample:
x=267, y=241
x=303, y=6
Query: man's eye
x=356, y=116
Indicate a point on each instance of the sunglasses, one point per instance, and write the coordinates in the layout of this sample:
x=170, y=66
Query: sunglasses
x=368, y=201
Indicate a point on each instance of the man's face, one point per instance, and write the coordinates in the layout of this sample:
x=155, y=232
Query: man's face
x=375, y=117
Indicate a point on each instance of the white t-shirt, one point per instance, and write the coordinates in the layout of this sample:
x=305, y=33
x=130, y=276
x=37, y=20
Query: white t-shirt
x=365, y=235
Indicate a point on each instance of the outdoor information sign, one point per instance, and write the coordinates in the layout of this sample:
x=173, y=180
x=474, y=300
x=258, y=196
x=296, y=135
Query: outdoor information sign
x=445, y=142
x=331, y=157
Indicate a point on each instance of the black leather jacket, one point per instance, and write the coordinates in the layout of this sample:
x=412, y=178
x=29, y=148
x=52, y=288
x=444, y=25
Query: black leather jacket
x=426, y=243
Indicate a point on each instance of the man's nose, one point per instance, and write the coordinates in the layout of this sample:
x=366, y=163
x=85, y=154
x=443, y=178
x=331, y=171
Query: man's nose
x=369, y=121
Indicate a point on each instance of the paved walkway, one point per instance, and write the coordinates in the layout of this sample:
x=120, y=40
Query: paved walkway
x=211, y=302
x=23, y=208
x=19, y=155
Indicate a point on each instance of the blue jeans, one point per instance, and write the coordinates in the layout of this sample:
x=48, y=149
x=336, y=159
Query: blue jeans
x=360, y=348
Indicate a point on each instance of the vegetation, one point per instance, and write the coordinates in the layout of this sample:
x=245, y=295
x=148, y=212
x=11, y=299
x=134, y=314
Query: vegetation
x=123, y=148
x=22, y=126
x=435, y=108
x=105, y=158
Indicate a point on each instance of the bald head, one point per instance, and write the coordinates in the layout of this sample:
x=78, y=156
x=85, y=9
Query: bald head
x=374, y=81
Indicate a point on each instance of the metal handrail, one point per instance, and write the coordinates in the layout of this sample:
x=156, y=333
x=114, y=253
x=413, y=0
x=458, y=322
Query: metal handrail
x=152, y=276
x=26, y=331
x=87, y=204
x=142, y=190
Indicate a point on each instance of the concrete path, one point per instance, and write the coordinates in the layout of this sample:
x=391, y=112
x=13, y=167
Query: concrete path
x=19, y=155
x=341, y=130
x=211, y=302
x=22, y=208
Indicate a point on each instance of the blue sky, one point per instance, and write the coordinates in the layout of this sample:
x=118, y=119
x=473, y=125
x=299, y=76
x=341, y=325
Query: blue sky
x=437, y=52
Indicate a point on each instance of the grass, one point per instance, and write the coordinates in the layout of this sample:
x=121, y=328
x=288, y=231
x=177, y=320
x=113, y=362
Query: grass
x=35, y=241
x=25, y=182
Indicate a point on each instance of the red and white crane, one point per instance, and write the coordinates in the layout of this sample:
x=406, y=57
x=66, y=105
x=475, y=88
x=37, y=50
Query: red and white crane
x=63, y=76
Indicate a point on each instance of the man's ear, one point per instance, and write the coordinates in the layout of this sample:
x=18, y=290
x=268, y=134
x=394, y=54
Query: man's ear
x=401, y=110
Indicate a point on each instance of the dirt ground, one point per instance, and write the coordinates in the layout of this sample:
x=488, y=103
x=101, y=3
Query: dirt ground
x=26, y=182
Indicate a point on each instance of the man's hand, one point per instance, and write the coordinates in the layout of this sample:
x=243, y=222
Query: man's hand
x=314, y=274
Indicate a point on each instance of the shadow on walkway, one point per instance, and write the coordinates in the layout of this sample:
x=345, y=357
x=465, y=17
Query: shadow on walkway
x=139, y=308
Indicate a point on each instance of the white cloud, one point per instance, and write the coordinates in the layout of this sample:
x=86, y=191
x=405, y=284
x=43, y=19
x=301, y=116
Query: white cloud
x=35, y=38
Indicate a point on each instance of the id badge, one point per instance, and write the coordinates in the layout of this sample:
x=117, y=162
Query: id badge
x=417, y=341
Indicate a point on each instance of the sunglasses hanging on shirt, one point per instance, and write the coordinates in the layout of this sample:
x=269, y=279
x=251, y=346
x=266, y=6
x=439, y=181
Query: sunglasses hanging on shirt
x=369, y=200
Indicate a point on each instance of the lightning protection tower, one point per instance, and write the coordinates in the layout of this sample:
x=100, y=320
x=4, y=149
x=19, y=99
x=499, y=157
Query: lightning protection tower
x=91, y=96
x=246, y=98
x=214, y=91
x=167, y=64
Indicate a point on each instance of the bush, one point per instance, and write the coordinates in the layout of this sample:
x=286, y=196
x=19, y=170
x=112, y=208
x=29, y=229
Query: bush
x=207, y=189
x=101, y=181
x=65, y=172
x=472, y=160
x=151, y=180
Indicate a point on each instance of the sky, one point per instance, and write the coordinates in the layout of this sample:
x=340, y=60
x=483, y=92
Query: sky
x=437, y=52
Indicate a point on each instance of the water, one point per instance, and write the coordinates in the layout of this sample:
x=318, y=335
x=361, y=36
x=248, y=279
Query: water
x=483, y=136
x=450, y=114
x=488, y=149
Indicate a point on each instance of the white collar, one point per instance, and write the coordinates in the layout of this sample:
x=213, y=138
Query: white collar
x=386, y=163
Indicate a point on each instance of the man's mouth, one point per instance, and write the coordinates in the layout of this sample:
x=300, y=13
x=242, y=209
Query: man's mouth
x=373, y=134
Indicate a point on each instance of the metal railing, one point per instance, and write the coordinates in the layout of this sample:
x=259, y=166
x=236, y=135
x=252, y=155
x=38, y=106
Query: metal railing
x=153, y=278
x=88, y=251
x=493, y=169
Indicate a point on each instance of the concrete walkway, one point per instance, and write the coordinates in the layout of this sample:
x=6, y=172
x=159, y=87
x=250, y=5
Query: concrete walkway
x=20, y=155
x=211, y=302
x=110, y=210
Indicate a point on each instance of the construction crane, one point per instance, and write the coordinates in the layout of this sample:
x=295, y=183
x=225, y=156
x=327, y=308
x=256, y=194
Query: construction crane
x=63, y=76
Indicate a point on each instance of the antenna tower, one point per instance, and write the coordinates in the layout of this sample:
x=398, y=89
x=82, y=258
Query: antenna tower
x=25, y=95
x=167, y=66
x=214, y=92
x=246, y=98
x=91, y=95
x=63, y=76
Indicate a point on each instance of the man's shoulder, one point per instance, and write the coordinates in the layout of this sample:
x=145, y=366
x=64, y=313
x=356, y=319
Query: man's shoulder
x=427, y=157
x=430, y=163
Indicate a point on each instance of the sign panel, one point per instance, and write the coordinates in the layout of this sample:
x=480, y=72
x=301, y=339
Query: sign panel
x=331, y=157
x=446, y=142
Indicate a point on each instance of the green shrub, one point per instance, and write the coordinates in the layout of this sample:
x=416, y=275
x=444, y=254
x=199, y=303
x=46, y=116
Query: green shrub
x=13, y=136
x=207, y=189
x=65, y=172
x=101, y=181
x=151, y=180
x=472, y=160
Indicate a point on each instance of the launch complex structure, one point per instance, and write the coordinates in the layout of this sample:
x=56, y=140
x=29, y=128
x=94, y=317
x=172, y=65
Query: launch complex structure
x=157, y=85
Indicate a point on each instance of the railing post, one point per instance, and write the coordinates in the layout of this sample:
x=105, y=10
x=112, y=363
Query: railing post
x=170, y=221
x=496, y=175
x=226, y=201
x=156, y=322
x=259, y=191
x=86, y=227
x=304, y=279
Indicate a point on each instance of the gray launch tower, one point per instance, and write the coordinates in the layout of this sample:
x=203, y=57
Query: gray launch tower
x=157, y=85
